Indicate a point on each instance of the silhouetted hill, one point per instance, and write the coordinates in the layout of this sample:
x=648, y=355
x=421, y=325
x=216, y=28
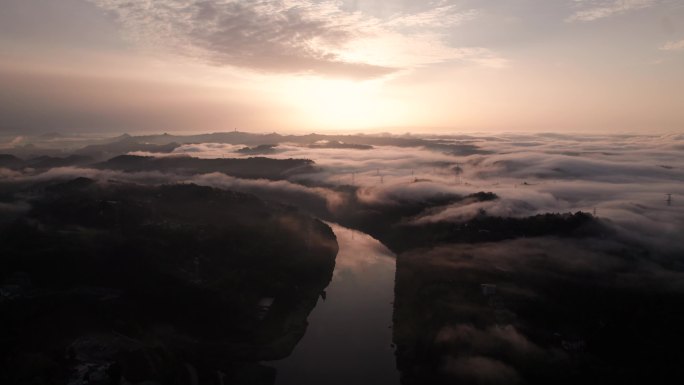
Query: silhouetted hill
x=544, y=310
x=342, y=145
x=346, y=141
x=258, y=167
x=484, y=228
x=123, y=145
x=262, y=149
x=43, y=162
x=134, y=282
x=10, y=161
x=47, y=162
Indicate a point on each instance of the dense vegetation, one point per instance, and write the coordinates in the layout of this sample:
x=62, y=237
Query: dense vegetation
x=243, y=168
x=174, y=273
x=536, y=311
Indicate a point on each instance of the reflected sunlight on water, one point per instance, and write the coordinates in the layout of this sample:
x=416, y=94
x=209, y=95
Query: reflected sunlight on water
x=349, y=336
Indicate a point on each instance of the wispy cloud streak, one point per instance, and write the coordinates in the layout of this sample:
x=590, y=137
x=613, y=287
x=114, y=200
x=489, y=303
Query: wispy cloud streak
x=283, y=36
x=591, y=10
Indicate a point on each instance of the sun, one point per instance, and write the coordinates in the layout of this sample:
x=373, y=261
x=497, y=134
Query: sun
x=340, y=104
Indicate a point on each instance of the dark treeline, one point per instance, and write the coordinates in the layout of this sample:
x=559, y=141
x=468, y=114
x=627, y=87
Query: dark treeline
x=259, y=167
x=259, y=144
x=96, y=276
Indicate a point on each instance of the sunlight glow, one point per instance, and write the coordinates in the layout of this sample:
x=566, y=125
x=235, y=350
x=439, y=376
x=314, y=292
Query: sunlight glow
x=345, y=104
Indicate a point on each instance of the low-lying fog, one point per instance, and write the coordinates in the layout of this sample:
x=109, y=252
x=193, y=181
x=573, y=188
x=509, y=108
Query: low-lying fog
x=625, y=179
x=519, y=258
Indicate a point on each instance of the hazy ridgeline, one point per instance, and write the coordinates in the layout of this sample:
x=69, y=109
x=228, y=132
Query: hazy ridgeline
x=520, y=258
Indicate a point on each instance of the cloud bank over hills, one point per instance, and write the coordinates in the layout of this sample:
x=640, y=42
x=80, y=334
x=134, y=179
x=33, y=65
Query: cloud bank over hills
x=623, y=179
x=530, y=255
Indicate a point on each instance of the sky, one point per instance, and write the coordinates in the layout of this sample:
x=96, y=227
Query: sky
x=569, y=66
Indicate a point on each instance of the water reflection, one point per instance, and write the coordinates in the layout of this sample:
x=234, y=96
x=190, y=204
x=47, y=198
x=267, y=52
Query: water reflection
x=349, y=336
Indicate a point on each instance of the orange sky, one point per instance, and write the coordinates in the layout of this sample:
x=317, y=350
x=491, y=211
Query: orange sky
x=302, y=66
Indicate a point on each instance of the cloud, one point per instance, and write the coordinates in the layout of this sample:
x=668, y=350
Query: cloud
x=438, y=17
x=272, y=35
x=673, y=46
x=623, y=179
x=496, y=337
x=7, y=175
x=337, y=165
x=591, y=10
x=567, y=281
x=65, y=23
x=103, y=176
x=285, y=36
x=549, y=292
x=282, y=191
x=316, y=198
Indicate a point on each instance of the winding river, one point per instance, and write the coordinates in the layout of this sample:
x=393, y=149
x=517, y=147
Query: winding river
x=349, y=337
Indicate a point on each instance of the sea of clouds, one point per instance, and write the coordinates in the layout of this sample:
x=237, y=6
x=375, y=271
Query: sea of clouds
x=622, y=179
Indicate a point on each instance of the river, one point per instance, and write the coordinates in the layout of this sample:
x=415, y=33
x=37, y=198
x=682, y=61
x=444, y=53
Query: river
x=349, y=337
